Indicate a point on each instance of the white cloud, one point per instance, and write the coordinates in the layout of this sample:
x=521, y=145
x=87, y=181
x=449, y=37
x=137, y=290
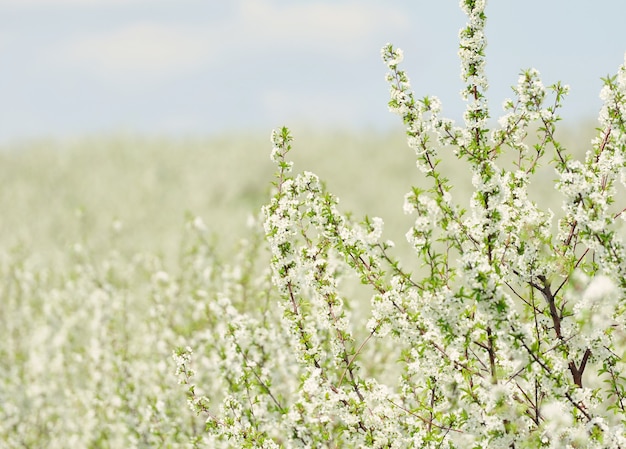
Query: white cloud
x=315, y=23
x=137, y=50
x=159, y=51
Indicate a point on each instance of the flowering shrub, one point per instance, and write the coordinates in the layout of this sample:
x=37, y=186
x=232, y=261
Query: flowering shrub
x=511, y=334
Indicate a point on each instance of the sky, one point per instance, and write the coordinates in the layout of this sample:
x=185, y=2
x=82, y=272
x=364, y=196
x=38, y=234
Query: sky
x=202, y=67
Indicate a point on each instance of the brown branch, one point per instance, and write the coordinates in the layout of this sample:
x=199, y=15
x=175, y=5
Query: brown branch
x=492, y=356
x=550, y=299
x=577, y=372
x=579, y=406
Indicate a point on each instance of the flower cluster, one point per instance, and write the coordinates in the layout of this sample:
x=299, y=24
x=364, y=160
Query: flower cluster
x=472, y=54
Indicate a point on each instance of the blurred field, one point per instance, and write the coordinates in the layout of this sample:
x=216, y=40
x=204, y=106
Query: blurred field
x=101, y=278
x=134, y=192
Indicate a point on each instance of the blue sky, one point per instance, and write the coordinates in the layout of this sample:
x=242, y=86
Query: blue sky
x=178, y=67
